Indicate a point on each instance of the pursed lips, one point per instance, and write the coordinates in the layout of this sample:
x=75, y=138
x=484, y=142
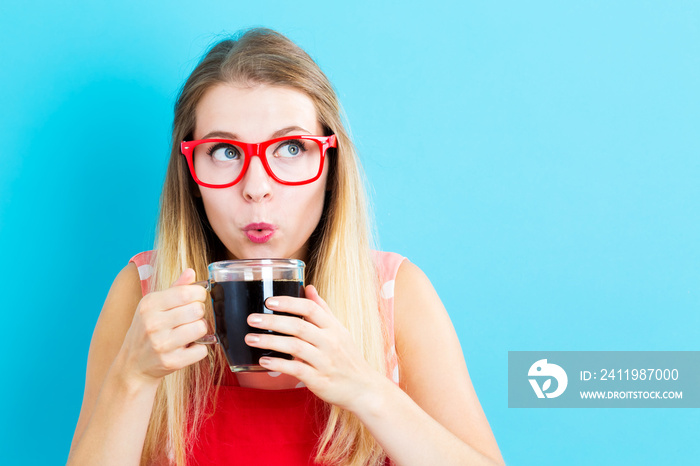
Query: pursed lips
x=259, y=232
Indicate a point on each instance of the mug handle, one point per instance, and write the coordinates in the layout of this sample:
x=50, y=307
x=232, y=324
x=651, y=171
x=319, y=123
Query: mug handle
x=206, y=339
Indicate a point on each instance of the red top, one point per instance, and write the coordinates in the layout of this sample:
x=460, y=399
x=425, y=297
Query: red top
x=253, y=426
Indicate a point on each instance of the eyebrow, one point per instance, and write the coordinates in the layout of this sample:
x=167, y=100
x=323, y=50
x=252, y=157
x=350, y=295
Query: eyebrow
x=276, y=134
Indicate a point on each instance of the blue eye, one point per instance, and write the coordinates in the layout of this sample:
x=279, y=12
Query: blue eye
x=224, y=152
x=290, y=149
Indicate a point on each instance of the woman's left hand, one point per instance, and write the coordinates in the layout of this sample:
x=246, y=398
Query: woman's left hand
x=326, y=358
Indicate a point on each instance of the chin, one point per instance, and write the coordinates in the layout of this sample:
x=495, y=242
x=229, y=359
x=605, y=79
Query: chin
x=256, y=252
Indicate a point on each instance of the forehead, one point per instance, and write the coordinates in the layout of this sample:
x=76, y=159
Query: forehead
x=254, y=113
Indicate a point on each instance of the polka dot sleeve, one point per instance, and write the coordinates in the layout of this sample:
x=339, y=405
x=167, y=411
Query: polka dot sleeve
x=388, y=266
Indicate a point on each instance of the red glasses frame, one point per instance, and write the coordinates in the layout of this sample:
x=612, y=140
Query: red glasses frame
x=257, y=150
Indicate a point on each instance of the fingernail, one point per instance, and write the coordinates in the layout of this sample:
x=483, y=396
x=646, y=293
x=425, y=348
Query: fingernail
x=272, y=302
x=253, y=338
x=253, y=319
x=264, y=361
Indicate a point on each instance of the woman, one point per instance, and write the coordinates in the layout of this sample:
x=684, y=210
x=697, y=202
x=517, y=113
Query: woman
x=155, y=396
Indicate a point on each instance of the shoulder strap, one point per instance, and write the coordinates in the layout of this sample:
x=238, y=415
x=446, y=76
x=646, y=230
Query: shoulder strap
x=388, y=264
x=143, y=261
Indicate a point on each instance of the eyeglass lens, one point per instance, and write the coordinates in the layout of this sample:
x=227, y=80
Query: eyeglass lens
x=290, y=160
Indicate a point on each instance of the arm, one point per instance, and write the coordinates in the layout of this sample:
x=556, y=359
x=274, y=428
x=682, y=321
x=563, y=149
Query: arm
x=424, y=424
x=437, y=419
x=112, y=325
x=135, y=343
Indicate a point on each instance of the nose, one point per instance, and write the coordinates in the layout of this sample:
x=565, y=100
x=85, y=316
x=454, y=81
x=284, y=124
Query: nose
x=256, y=183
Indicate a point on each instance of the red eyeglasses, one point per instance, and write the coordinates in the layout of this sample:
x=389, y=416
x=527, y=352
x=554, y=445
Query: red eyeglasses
x=289, y=160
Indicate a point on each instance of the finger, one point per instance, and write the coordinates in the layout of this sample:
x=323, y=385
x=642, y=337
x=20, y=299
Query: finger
x=293, y=326
x=300, y=349
x=184, y=335
x=176, y=296
x=295, y=368
x=182, y=314
x=185, y=278
x=312, y=293
x=191, y=355
x=187, y=292
x=156, y=323
x=303, y=307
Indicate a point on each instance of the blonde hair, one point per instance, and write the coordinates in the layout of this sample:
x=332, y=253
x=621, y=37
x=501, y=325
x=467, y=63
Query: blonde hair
x=340, y=264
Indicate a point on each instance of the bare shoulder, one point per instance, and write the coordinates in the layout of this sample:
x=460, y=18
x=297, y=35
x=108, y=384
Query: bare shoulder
x=107, y=338
x=411, y=283
x=115, y=318
x=432, y=368
x=421, y=318
x=114, y=321
x=123, y=297
x=416, y=303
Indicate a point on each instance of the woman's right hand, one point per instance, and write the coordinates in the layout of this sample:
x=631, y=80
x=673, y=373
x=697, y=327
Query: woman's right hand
x=166, y=323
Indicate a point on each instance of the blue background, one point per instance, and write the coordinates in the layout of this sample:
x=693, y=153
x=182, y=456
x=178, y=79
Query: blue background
x=539, y=161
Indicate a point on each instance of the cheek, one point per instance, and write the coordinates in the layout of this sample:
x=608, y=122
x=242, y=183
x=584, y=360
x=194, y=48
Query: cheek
x=305, y=209
x=217, y=206
x=304, y=205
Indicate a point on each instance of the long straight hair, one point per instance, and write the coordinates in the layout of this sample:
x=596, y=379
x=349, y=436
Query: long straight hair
x=340, y=263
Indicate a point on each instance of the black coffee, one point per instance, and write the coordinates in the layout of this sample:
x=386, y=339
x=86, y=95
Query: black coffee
x=233, y=302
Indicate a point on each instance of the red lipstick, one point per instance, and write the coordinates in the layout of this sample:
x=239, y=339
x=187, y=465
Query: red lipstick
x=259, y=232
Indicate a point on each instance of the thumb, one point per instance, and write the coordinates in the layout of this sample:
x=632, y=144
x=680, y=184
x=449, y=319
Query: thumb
x=311, y=293
x=186, y=278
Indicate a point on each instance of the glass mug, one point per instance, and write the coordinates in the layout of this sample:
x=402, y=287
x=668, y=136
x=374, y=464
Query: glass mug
x=239, y=288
